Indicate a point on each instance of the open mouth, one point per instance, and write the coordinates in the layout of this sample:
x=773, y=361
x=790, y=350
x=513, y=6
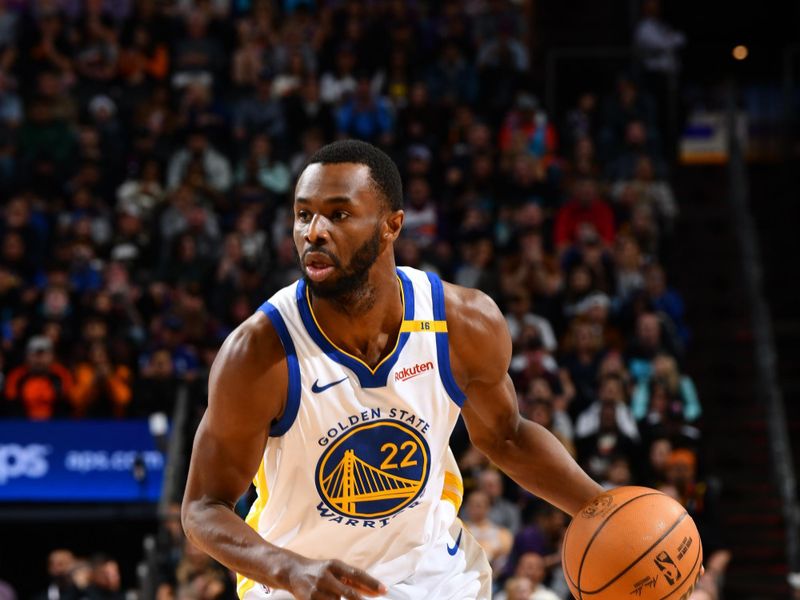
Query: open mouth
x=318, y=266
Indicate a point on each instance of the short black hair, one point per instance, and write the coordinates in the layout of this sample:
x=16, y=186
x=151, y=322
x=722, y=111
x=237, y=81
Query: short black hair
x=382, y=169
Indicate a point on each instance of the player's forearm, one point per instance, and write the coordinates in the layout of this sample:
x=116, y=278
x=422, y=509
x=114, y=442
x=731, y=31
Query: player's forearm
x=218, y=531
x=537, y=461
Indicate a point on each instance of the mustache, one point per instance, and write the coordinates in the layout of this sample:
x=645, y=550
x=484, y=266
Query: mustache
x=321, y=250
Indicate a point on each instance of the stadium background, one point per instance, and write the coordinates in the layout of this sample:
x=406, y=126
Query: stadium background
x=615, y=179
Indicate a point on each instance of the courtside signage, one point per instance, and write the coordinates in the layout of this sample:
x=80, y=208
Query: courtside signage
x=81, y=461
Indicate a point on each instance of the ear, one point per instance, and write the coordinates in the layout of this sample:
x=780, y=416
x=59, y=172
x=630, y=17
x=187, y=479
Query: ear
x=392, y=225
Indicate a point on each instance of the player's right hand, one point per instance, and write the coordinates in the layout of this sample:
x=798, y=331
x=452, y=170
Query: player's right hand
x=331, y=580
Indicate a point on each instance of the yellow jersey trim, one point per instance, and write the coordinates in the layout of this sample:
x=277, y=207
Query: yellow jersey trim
x=345, y=352
x=453, y=490
x=423, y=327
x=243, y=584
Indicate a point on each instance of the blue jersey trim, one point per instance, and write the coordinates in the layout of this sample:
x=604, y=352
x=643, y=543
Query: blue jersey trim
x=367, y=378
x=282, y=425
x=443, y=344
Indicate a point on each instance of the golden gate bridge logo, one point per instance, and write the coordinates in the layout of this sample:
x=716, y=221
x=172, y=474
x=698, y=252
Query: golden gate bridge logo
x=374, y=470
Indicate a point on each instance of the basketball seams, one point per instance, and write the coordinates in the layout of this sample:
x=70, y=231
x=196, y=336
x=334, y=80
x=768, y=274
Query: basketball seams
x=642, y=555
x=597, y=532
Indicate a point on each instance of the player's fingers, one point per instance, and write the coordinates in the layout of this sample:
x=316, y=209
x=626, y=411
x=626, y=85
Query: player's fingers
x=357, y=579
x=337, y=588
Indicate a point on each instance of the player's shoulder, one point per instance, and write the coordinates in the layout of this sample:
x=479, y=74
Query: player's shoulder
x=478, y=333
x=250, y=349
x=471, y=312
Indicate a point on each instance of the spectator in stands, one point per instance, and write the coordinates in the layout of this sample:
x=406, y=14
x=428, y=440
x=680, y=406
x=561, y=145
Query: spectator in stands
x=102, y=388
x=155, y=389
x=648, y=342
x=306, y=112
x=144, y=193
x=215, y=166
x=60, y=563
x=41, y=388
x=365, y=115
x=516, y=588
x=637, y=145
x=337, y=84
x=611, y=392
x=605, y=430
x=678, y=387
x=665, y=300
x=586, y=207
x=645, y=188
x=531, y=567
x=582, y=121
x=105, y=583
x=619, y=473
x=628, y=262
x=421, y=216
x=272, y=174
x=656, y=45
x=526, y=129
x=502, y=512
x=519, y=314
x=655, y=473
x=453, y=79
x=541, y=536
x=260, y=113
x=495, y=540
x=584, y=352
x=198, y=575
x=539, y=409
x=198, y=57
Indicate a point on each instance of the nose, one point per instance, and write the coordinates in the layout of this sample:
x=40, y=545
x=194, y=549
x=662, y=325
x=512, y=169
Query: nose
x=317, y=231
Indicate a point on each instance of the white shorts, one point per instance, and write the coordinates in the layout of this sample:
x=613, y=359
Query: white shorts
x=453, y=569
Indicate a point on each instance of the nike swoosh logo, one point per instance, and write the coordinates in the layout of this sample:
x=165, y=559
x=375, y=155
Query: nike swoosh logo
x=316, y=388
x=452, y=551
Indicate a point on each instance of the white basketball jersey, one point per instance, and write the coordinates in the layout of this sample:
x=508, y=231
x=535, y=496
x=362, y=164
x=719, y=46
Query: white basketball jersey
x=356, y=468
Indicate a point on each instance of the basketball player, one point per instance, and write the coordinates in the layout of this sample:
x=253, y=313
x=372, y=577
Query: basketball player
x=339, y=396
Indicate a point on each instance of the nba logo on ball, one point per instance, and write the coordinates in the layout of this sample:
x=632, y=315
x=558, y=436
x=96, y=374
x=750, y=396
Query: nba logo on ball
x=374, y=470
x=667, y=567
x=632, y=542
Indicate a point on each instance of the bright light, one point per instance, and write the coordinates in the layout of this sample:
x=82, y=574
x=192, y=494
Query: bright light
x=740, y=52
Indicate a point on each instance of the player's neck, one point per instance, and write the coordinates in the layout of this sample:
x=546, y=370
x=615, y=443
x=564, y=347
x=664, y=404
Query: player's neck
x=368, y=324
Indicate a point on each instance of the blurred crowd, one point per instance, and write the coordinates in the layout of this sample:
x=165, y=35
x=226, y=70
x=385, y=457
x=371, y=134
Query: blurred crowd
x=148, y=151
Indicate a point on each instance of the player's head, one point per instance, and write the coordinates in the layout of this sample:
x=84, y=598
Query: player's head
x=347, y=214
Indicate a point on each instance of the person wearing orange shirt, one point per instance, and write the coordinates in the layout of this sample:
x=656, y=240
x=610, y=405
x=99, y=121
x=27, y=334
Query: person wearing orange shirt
x=41, y=388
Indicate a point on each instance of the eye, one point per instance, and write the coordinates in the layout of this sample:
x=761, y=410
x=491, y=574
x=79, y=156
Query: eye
x=303, y=216
x=339, y=215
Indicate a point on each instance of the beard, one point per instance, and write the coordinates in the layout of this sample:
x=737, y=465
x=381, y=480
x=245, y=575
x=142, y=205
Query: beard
x=351, y=292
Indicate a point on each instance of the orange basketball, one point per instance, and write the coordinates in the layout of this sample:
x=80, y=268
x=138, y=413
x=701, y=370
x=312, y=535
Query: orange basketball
x=632, y=542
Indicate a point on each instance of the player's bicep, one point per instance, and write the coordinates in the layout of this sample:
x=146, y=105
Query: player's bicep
x=247, y=390
x=481, y=351
x=222, y=465
x=491, y=413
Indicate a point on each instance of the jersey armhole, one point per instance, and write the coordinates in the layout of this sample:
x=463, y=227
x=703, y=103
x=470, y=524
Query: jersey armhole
x=282, y=425
x=443, y=344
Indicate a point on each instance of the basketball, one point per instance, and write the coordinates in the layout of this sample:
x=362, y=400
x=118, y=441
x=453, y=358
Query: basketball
x=632, y=542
